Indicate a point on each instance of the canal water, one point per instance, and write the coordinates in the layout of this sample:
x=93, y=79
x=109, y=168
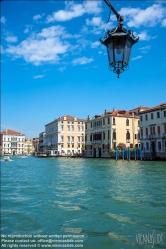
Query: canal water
x=111, y=204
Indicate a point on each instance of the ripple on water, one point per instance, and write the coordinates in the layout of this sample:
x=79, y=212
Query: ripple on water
x=107, y=201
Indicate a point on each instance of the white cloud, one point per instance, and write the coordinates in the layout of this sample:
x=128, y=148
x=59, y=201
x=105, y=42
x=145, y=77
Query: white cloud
x=164, y=23
x=145, y=49
x=82, y=61
x=3, y=19
x=45, y=46
x=75, y=10
x=39, y=76
x=11, y=39
x=37, y=17
x=136, y=58
x=150, y=16
x=144, y=36
x=96, y=21
x=61, y=69
x=95, y=44
x=27, y=29
x=1, y=49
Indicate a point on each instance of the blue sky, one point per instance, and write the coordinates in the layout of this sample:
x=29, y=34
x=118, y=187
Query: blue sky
x=52, y=62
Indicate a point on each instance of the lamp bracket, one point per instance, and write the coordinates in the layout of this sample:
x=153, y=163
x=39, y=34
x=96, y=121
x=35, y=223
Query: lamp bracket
x=119, y=17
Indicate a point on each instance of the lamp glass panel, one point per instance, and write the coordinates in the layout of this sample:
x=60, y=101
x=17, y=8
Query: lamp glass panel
x=119, y=44
x=110, y=50
x=128, y=47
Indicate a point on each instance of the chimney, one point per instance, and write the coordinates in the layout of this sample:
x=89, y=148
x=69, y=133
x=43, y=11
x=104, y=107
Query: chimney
x=105, y=112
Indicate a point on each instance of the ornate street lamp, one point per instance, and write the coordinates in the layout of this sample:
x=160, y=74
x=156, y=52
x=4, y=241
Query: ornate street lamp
x=119, y=43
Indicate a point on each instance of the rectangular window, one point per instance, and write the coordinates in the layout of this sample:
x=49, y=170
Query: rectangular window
x=72, y=139
x=135, y=136
x=79, y=139
x=108, y=120
x=72, y=127
x=103, y=121
x=158, y=114
x=151, y=115
x=68, y=127
x=141, y=119
x=68, y=139
x=78, y=128
x=146, y=117
x=164, y=114
x=108, y=134
x=91, y=124
x=147, y=145
x=159, y=145
x=61, y=127
x=86, y=125
x=62, y=138
x=82, y=128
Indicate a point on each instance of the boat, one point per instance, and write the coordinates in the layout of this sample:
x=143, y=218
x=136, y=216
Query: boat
x=6, y=158
x=24, y=156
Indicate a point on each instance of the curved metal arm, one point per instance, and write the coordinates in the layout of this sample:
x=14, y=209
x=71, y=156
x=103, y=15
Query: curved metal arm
x=119, y=17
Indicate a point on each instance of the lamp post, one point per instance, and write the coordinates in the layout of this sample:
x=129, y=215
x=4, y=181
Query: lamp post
x=119, y=43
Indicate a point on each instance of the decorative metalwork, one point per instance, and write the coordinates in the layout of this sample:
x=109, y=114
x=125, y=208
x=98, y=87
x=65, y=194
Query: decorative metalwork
x=119, y=43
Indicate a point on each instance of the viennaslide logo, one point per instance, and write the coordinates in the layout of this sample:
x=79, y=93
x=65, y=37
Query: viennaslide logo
x=153, y=238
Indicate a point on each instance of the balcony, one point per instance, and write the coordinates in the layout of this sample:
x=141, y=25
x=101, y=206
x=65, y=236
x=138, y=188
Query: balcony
x=164, y=135
x=152, y=136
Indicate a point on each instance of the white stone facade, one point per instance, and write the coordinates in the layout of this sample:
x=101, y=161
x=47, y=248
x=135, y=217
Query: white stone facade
x=12, y=142
x=153, y=130
x=65, y=136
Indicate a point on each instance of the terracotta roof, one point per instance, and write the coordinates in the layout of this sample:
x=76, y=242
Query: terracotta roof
x=10, y=132
x=117, y=113
x=161, y=106
x=139, y=108
x=71, y=118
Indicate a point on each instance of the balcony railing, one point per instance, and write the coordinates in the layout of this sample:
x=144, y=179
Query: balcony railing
x=152, y=136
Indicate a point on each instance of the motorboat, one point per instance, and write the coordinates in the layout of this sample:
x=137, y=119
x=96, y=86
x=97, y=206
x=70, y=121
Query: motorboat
x=6, y=158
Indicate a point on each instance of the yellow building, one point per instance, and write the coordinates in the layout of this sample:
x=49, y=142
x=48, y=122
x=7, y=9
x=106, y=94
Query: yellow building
x=65, y=136
x=28, y=146
x=108, y=131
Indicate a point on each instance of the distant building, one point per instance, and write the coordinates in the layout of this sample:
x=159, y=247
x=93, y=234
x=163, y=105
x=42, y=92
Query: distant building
x=42, y=141
x=28, y=146
x=65, y=135
x=153, y=130
x=35, y=142
x=105, y=132
x=12, y=142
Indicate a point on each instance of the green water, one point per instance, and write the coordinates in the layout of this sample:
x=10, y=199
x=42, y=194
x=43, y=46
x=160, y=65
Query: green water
x=109, y=202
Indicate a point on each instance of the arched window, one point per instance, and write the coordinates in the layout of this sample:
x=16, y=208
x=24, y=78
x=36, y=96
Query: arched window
x=114, y=134
x=153, y=130
x=146, y=131
x=158, y=129
x=128, y=135
x=127, y=122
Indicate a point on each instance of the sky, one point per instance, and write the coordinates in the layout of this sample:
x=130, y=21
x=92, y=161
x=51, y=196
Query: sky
x=52, y=62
